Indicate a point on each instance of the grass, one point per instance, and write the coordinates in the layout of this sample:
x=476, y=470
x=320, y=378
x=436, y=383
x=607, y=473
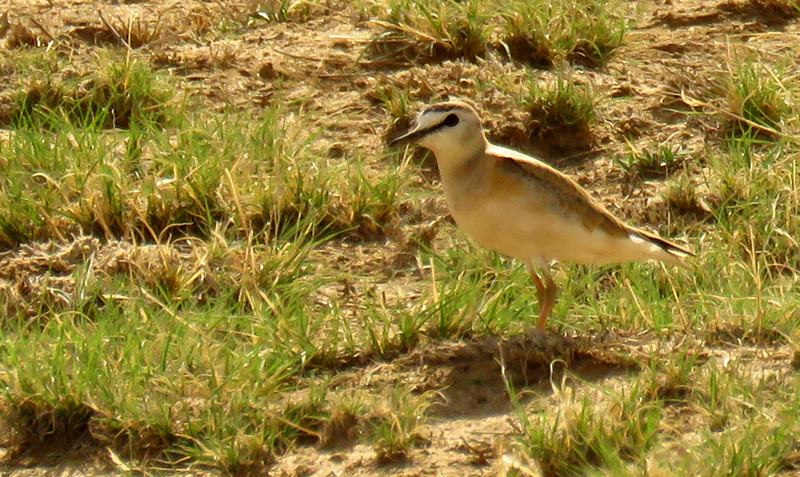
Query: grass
x=756, y=97
x=659, y=162
x=144, y=387
x=169, y=183
x=194, y=288
x=427, y=31
x=562, y=103
x=124, y=93
x=397, y=424
x=623, y=430
x=581, y=438
x=281, y=11
x=224, y=225
x=542, y=34
x=539, y=34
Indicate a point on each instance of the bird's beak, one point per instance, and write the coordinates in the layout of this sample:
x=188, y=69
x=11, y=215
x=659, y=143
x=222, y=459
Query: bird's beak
x=412, y=136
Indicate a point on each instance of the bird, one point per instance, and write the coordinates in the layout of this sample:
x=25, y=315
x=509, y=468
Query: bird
x=521, y=207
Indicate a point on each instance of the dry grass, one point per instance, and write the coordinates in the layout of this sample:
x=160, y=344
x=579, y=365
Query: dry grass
x=122, y=92
x=159, y=192
x=538, y=34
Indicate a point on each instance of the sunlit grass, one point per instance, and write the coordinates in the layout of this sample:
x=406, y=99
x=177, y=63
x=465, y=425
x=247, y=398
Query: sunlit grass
x=658, y=162
x=543, y=33
x=757, y=98
x=122, y=93
x=186, y=288
x=562, y=103
x=207, y=173
x=281, y=11
x=429, y=31
x=397, y=424
x=539, y=34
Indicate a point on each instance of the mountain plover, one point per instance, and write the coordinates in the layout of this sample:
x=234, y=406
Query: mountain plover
x=521, y=207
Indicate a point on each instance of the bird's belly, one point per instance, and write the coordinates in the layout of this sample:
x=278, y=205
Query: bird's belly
x=498, y=227
x=499, y=233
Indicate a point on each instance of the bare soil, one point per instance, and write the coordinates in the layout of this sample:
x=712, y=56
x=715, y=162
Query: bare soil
x=674, y=54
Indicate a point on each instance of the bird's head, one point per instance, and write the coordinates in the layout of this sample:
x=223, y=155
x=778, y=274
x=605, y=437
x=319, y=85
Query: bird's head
x=450, y=129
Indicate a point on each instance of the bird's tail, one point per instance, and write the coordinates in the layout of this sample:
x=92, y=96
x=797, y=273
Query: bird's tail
x=673, y=254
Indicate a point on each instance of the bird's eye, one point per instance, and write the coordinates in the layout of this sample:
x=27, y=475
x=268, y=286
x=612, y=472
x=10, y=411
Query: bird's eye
x=451, y=120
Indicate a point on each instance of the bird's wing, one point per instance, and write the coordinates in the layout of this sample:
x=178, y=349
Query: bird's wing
x=574, y=199
x=567, y=194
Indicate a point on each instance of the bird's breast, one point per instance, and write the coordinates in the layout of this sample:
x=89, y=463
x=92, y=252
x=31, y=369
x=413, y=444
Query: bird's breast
x=496, y=222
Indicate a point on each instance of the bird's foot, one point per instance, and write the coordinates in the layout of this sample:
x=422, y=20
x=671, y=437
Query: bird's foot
x=547, y=342
x=534, y=332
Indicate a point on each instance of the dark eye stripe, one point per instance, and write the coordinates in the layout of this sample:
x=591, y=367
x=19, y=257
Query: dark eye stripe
x=442, y=108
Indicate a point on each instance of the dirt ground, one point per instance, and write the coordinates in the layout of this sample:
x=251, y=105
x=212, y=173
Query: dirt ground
x=666, y=61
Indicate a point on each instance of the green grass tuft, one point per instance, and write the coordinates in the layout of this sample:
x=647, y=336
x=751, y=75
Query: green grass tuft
x=648, y=164
x=187, y=287
x=581, y=437
x=539, y=34
x=398, y=424
x=417, y=31
x=756, y=98
x=124, y=93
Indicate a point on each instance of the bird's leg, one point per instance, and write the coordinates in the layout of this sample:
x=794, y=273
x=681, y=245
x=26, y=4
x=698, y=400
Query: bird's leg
x=551, y=292
x=540, y=292
x=546, y=292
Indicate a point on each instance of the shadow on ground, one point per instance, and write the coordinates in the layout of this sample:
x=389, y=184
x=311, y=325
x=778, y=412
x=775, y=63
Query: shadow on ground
x=473, y=377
